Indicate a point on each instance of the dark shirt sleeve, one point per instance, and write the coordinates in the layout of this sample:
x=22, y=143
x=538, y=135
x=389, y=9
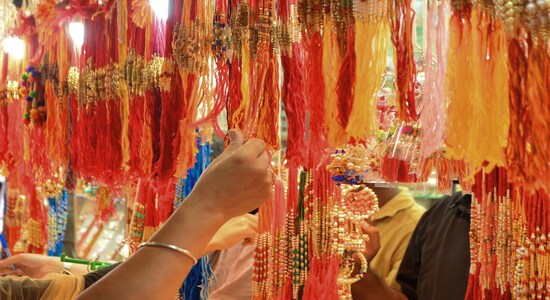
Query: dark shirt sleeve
x=409, y=270
x=92, y=277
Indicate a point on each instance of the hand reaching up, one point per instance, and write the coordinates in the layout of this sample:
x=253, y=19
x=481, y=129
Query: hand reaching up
x=238, y=181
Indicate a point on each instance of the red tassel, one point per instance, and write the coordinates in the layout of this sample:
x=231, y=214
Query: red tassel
x=321, y=283
x=114, y=143
x=346, y=80
x=40, y=165
x=98, y=136
x=315, y=93
x=135, y=135
x=269, y=114
x=4, y=119
x=295, y=106
x=292, y=194
x=401, y=22
x=105, y=206
x=169, y=124
x=235, y=96
x=165, y=202
x=221, y=74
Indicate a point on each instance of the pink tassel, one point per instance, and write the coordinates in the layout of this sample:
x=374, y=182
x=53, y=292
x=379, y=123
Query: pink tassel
x=433, y=113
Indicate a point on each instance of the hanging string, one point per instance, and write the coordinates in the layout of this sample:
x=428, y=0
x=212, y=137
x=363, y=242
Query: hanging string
x=401, y=21
x=371, y=51
x=336, y=134
x=483, y=37
x=346, y=79
x=529, y=113
x=295, y=106
x=315, y=91
x=433, y=112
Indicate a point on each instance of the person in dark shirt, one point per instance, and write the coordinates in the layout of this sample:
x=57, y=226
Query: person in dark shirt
x=437, y=260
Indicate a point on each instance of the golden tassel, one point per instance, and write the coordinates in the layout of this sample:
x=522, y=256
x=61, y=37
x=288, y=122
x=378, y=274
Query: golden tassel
x=371, y=48
x=122, y=6
x=336, y=134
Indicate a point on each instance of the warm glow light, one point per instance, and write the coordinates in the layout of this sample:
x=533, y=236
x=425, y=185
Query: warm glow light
x=76, y=31
x=160, y=7
x=14, y=46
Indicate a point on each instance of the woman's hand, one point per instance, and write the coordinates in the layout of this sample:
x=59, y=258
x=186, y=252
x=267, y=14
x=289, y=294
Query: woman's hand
x=236, y=182
x=32, y=265
x=239, y=229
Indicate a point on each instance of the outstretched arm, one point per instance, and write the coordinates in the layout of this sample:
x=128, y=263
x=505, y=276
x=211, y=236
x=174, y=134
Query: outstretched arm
x=235, y=183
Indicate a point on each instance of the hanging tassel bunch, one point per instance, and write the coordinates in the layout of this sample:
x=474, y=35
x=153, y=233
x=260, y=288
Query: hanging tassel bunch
x=401, y=17
x=509, y=241
x=433, y=113
x=477, y=53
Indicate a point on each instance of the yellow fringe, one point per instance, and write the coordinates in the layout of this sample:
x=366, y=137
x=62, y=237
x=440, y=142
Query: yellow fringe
x=243, y=109
x=62, y=56
x=123, y=87
x=146, y=150
x=336, y=134
x=52, y=126
x=371, y=49
x=477, y=89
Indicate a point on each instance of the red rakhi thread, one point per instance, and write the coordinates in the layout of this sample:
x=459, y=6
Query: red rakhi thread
x=401, y=23
x=346, y=80
x=315, y=95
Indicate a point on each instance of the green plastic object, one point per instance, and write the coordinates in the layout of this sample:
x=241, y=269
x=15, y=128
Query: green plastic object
x=94, y=264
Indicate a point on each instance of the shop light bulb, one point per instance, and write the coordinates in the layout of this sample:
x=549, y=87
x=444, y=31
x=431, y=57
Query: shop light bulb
x=160, y=7
x=76, y=31
x=14, y=46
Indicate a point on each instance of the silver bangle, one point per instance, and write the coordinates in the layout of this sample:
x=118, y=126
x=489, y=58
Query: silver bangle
x=171, y=247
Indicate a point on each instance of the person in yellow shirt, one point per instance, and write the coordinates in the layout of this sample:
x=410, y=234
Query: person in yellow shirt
x=395, y=222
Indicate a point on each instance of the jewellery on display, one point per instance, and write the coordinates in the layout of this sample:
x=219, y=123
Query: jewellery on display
x=32, y=90
x=189, y=45
x=508, y=238
x=138, y=222
x=358, y=204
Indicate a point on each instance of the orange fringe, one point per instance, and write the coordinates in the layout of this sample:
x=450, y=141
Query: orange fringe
x=331, y=63
x=477, y=68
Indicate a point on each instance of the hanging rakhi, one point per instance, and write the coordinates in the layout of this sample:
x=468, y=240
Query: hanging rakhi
x=358, y=204
x=509, y=240
x=33, y=92
x=527, y=28
x=401, y=18
x=433, y=114
x=293, y=89
x=3, y=121
x=329, y=129
x=221, y=42
x=371, y=49
x=264, y=74
x=476, y=58
x=238, y=85
x=100, y=118
x=191, y=48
